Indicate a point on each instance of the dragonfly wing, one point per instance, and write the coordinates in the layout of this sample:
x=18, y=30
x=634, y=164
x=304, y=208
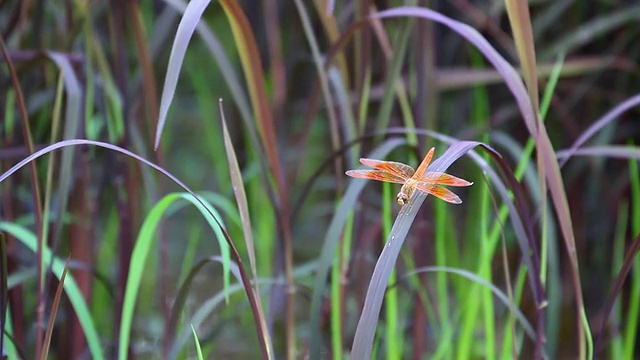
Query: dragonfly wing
x=425, y=163
x=375, y=175
x=439, y=191
x=445, y=179
x=397, y=169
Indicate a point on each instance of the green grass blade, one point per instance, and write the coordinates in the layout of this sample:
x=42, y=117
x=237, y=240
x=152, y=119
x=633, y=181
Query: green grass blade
x=70, y=286
x=631, y=328
x=197, y=343
x=393, y=335
x=143, y=245
x=617, y=341
x=4, y=292
x=10, y=349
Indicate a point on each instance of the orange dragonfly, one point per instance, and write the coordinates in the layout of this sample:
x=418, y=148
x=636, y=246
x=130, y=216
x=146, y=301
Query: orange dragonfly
x=430, y=182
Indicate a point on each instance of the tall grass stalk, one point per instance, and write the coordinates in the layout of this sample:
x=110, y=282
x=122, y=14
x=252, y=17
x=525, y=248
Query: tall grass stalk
x=617, y=342
x=393, y=334
x=442, y=250
x=631, y=328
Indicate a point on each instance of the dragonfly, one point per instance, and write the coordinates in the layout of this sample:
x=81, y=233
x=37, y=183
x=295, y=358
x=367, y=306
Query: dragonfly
x=429, y=182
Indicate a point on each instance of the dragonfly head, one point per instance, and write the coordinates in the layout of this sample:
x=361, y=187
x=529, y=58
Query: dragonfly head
x=402, y=198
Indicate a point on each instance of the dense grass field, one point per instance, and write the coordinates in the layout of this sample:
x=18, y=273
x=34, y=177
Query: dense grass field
x=172, y=179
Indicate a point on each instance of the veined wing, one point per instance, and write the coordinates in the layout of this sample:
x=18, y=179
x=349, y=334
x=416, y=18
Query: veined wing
x=375, y=175
x=424, y=164
x=444, y=179
x=397, y=169
x=439, y=192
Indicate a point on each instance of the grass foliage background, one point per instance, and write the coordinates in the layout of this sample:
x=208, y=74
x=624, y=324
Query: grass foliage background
x=188, y=159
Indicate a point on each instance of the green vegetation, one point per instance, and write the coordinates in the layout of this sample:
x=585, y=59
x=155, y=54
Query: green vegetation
x=187, y=161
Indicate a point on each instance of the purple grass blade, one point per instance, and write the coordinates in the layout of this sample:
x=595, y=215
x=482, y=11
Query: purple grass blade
x=72, y=125
x=509, y=74
x=187, y=26
x=598, y=125
x=528, y=329
x=613, y=151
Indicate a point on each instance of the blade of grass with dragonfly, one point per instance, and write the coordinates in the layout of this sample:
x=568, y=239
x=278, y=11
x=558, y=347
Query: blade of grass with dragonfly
x=367, y=325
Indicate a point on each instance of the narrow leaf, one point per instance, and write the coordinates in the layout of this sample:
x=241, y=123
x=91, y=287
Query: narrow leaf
x=54, y=311
x=185, y=30
x=365, y=331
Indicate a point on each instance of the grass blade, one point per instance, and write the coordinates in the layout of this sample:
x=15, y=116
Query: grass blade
x=613, y=151
x=631, y=328
x=35, y=190
x=54, y=312
x=254, y=73
x=70, y=286
x=322, y=76
x=197, y=343
x=226, y=70
x=616, y=290
x=243, y=208
x=190, y=19
x=506, y=70
x=591, y=30
x=518, y=11
x=522, y=319
x=141, y=250
x=4, y=296
x=365, y=331
x=77, y=142
x=607, y=118
x=183, y=292
x=73, y=96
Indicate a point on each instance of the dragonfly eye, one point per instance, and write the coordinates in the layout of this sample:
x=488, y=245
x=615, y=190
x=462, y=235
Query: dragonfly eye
x=402, y=198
